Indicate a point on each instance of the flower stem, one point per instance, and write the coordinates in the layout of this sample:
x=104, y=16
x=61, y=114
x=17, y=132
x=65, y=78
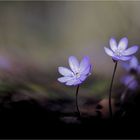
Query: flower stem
x=110, y=90
x=77, y=89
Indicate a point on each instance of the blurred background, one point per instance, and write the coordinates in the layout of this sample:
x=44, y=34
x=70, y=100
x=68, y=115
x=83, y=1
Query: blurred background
x=37, y=37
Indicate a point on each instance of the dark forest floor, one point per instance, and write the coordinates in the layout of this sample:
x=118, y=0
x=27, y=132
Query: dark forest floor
x=27, y=119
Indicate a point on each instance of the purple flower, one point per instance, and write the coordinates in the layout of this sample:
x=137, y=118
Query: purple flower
x=133, y=66
x=119, y=51
x=78, y=73
x=130, y=81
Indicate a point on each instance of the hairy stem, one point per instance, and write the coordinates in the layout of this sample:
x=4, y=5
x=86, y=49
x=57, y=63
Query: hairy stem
x=77, y=89
x=110, y=90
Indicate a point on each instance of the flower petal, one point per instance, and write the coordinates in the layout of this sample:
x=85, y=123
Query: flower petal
x=129, y=81
x=84, y=64
x=83, y=78
x=71, y=82
x=116, y=58
x=108, y=51
x=65, y=71
x=123, y=44
x=133, y=85
x=125, y=66
x=131, y=50
x=125, y=58
x=134, y=62
x=87, y=71
x=74, y=64
x=64, y=79
x=77, y=82
x=113, y=44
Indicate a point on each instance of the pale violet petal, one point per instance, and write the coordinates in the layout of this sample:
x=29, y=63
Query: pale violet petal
x=74, y=64
x=116, y=58
x=123, y=44
x=129, y=81
x=125, y=58
x=83, y=78
x=84, y=63
x=126, y=79
x=71, y=82
x=134, y=62
x=133, y=85
x=65, y=71
x=64, y=79
x=125, y=66
x=108, y=51
x=113, y=44
x=131, y=50
x=77, y=82
x=87, y=71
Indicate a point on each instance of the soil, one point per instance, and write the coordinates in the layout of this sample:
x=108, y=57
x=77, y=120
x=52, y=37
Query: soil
x=29, y=119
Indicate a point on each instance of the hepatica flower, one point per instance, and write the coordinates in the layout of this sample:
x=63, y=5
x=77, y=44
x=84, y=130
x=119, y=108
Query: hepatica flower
x=130, y=82
x=76, y=75
x=119, y=51
x=78, y=72
x=133, y=66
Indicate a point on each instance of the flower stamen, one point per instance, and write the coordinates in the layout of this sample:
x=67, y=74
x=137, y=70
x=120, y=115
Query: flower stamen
x=77, y=75
x=118, y=52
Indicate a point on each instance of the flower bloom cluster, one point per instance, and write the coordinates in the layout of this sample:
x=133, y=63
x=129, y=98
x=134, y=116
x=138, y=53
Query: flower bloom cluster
x=78, y=72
